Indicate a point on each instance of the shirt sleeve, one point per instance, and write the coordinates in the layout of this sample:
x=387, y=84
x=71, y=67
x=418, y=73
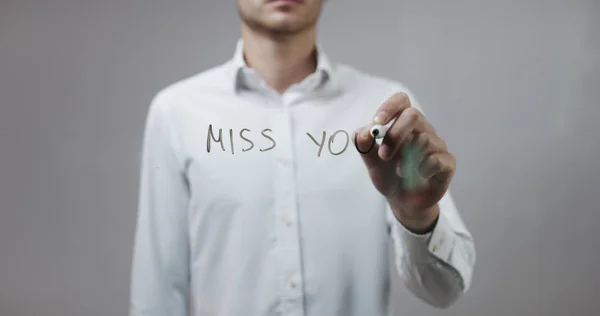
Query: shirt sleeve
x=437, y=267
x=160, y=272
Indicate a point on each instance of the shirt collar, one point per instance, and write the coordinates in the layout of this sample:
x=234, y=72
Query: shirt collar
x=237, y=64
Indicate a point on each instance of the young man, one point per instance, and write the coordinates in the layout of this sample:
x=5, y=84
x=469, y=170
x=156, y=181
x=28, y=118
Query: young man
x=257, y=198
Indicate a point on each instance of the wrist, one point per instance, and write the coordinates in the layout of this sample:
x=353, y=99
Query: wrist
x=420, y=223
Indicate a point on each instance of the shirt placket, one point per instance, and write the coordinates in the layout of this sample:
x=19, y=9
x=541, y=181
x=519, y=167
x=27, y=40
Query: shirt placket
x=286, y=216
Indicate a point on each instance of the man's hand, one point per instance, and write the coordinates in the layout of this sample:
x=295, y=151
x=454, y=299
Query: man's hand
x=410, y=147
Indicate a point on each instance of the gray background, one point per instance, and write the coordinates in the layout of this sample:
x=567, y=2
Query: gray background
x=512, y=85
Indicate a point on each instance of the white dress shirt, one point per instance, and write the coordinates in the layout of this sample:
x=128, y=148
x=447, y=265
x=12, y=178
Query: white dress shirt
x=270, y=223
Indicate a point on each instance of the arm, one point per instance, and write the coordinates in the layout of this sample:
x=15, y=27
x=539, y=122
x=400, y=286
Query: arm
x=160, y=272
x=437, y=266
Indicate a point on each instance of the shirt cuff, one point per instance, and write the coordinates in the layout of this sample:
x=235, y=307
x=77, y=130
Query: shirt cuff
x=438, y=242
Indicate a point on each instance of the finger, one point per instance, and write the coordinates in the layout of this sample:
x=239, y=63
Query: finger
x=440, y=165
x=400, y=168
x=410, y=174
x=391, y=108
x=410, y=120
x=367, y=146
x=411, y=180
x=410, y=167
x=427, y=144
x=401, y=162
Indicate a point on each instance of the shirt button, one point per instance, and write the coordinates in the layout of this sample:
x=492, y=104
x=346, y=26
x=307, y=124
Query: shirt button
x=293, y=284
x=288, y=221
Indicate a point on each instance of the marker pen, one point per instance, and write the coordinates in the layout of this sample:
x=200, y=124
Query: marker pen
x=379, y=131
x=410, y=154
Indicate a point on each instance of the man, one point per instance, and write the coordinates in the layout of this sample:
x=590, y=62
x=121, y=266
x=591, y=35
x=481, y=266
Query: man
x=256, y=200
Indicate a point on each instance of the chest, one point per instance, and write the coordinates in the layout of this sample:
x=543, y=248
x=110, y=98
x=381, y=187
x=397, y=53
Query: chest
x=253, y=157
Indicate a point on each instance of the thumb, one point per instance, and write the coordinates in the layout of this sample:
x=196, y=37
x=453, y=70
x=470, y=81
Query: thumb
x=366, y=146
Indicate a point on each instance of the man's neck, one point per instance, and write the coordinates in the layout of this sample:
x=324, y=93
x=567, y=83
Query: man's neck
x=281, y=61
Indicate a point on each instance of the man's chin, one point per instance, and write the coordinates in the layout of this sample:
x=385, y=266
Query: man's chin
x=284, y=28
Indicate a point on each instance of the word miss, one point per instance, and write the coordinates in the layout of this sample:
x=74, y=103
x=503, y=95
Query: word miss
x=340, y=134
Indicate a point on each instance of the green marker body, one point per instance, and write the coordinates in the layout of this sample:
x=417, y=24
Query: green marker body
x=410, y=167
